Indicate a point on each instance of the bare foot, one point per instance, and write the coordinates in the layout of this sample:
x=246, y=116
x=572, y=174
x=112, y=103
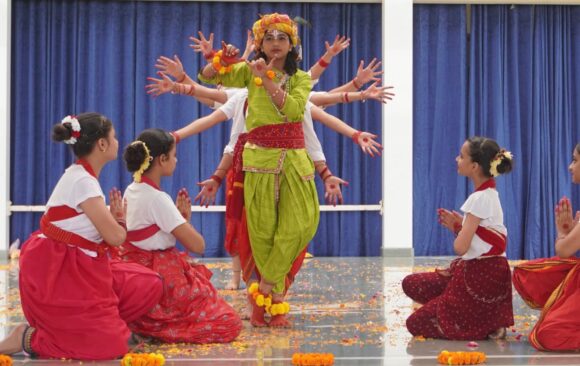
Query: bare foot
x=498, y=334
x=257, y=317
x=13, y=343
x=234, y=283
x=279, y=321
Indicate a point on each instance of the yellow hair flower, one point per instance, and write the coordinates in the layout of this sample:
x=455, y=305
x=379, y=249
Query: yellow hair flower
x=499, y=157
x=145, y=164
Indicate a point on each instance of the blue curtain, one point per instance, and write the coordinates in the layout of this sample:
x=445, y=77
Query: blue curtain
x=521, y=78
x=75, y=56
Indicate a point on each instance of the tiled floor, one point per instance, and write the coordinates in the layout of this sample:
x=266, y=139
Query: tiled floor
x=353, y=308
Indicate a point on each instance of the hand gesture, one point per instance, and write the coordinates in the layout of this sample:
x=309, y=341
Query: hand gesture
x=229, y=50
x=117, y=205
x=450, y=219
x=339, y=45
x=259, y=67
x=183, y=203
x=171, y=67
x=208, y=192
x=332, y=193
x=159, y=86
x=564, y=221
x=369, y=73
x=368, y=145
x=203, y=45
x=250, y=47
x=379, y=93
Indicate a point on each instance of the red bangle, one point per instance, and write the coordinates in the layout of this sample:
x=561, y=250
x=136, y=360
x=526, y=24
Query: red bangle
x=328, y=176
x=123, y=224
x=210, y=55
x=355, y=136
x=323, y=171
x=346, y=97
x=323, y=63
x=456, y=228
x=216, y=178
x=175, y=137
x=182, y=78
x=355, y=84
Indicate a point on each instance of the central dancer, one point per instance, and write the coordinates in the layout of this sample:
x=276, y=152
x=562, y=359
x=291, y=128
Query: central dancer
x=274, y=175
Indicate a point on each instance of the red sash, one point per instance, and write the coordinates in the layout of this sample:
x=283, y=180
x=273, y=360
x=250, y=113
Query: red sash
x=288, y=135
x=497, y=240
x=142, y=234
x=57, y=234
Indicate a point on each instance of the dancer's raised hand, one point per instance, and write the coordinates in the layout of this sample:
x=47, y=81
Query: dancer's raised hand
x=379, y=93
x=333, y=194
x=183, y=203
x=202, y=44
x=339, y=45
x=208, y=192
x=172, y=67
x=159, y=86
x=369, y=73
x=250, y=47
x=368, y=145
x=259, y=67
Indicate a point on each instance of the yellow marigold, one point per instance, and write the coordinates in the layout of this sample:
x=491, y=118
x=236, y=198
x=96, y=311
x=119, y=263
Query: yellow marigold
x=312, y=359
x=143, y=359
x=461, y=358
x=5, y=360
x=253, y=287
x=260, y=300
x=268, y=302
x=258, y=81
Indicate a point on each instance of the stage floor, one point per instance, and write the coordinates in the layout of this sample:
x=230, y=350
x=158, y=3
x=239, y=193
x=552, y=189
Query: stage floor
x=353, y=308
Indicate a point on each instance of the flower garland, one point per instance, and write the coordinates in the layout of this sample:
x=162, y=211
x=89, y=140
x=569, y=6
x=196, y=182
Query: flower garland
x=461, y=358
x=217, y=64
x=143, y=359
x=313, y=359
x=258, y=80
x=76, y=129
x=146, y=162
x=5, y=360
x=503, y=154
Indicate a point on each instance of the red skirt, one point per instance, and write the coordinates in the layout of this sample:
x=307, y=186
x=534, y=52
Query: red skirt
x=552, y=284
x=76, y=303
x=191, y=309
x=474, y=300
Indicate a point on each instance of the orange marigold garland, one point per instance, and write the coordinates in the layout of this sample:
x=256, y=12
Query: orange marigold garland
x=5, y=360
x=461, y=358
x=270, y=74
x=217, y=64
x=313, y=359
x=143, y=359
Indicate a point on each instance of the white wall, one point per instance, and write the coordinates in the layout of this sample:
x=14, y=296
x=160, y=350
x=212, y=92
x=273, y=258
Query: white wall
x=5, y=25
x=398, y=129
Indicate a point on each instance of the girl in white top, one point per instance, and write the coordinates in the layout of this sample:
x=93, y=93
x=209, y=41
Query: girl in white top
x=472, y=299
x=77, y=301
x=190, y=310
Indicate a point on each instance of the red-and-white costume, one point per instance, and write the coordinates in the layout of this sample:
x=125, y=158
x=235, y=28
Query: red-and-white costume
x=552, y=285
x=79, y=301
x=473, y=297
x=191, y=309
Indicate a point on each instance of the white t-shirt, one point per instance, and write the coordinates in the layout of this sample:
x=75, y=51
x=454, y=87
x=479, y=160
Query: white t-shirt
x=74, y=187
x=486, y=206
x=146, y=206
x=234, y=109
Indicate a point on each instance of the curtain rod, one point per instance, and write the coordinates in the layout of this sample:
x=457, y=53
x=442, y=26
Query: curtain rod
x=448, y=2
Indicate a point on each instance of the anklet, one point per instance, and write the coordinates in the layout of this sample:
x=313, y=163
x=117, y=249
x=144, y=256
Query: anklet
x=259, y=298
x=27, y=340
x=280, y=308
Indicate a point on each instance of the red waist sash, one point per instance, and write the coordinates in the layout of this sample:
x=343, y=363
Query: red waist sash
x=57, y=234
x=288, y=135
x=497, y=240
x=142, y=234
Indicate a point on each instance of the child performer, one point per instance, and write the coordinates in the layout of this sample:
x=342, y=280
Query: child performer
x=472, y=299
x=553, y=284
x=76, y=300
x=190, y=309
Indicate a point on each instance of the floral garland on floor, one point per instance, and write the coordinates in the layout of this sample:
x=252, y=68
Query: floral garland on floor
x=143, y=359
x=312, y=359
x=5, y=360
x=461, y=358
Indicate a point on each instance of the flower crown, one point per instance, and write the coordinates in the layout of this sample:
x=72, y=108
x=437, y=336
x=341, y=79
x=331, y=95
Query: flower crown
x=75, y=127
x=499, y=157
x=146, y=161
